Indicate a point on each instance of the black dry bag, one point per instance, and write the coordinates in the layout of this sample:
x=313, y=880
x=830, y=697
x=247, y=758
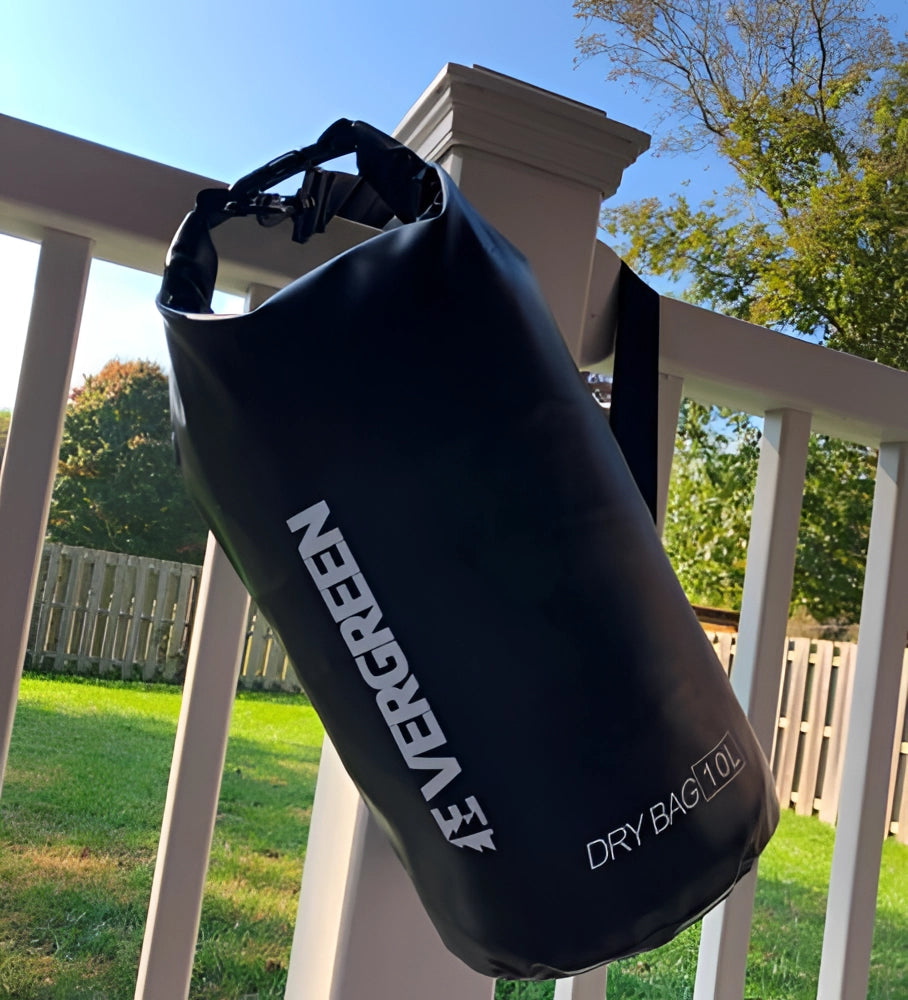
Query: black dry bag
x=397, y=455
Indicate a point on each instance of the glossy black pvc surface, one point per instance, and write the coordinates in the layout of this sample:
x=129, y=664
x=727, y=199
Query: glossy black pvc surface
x=532, y=630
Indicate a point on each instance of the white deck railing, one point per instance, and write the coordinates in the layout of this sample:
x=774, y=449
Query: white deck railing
x=537, y=166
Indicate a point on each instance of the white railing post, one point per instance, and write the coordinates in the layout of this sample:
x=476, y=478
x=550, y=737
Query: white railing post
x=861, y=828
x=361, y=930
x=175, y=907
x=756, y=675
x=537, y=166
x=590, y=986
x=593, y=985
x=332, y=830
x=30, y=462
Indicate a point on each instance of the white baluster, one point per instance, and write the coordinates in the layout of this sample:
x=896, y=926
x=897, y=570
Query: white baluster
x=30, y=462
x=758, y=664
x=590, y=986
x=175, y=908
x=851, y=904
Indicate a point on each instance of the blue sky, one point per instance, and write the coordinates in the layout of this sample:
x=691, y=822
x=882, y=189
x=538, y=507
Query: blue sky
x=218, y=88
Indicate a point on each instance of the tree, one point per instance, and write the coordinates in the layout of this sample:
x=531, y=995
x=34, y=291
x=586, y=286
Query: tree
x=706, y=522
x=835, y=530
x=807, y=102
x=117, y=485
x=711, y=494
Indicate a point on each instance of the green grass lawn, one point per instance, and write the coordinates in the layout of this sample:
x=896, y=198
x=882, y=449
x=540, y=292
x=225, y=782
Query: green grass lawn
x=79, y=824
x=80, y=818
x=787, y=937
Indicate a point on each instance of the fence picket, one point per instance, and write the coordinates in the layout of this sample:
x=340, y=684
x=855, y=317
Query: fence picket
x=902, y=830
x=253, y=665
x=183, y=615
x=723, y=646
x=161, y=622
x=134, y=624
x=92, y=606
x=789, y=735
x=46, y=585
x=67, y=604
x=278, y=668
x=116, y=594
x=82, y=565
x=897, y=771
x=59, y=584
x=814, y=726
x=838, y=726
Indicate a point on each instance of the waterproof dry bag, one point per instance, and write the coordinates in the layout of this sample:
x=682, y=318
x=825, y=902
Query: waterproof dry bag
x=397, y=455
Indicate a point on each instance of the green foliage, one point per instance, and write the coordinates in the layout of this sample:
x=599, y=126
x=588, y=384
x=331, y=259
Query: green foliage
x=711, y=493
x=834, y=531
x=708, y=517
x=518, y=990
x=117, y=485
x=5, y=417
x=808, y=103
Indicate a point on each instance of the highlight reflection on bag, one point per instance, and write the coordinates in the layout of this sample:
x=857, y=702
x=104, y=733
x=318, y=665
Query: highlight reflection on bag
x=463, y=571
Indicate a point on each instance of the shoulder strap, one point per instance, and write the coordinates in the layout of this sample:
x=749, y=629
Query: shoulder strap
x=634, y=412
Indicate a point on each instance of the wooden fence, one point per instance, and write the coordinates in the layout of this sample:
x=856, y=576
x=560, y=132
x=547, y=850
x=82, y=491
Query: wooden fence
x=808, y=751
x=110, y=614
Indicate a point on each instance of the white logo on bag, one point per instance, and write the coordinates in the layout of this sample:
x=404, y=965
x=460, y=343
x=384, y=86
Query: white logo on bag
x=384, y=668
x=710, y=774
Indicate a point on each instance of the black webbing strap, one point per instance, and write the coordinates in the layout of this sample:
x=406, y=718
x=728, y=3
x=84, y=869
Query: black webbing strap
x=634, y=412
x=392, y=181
